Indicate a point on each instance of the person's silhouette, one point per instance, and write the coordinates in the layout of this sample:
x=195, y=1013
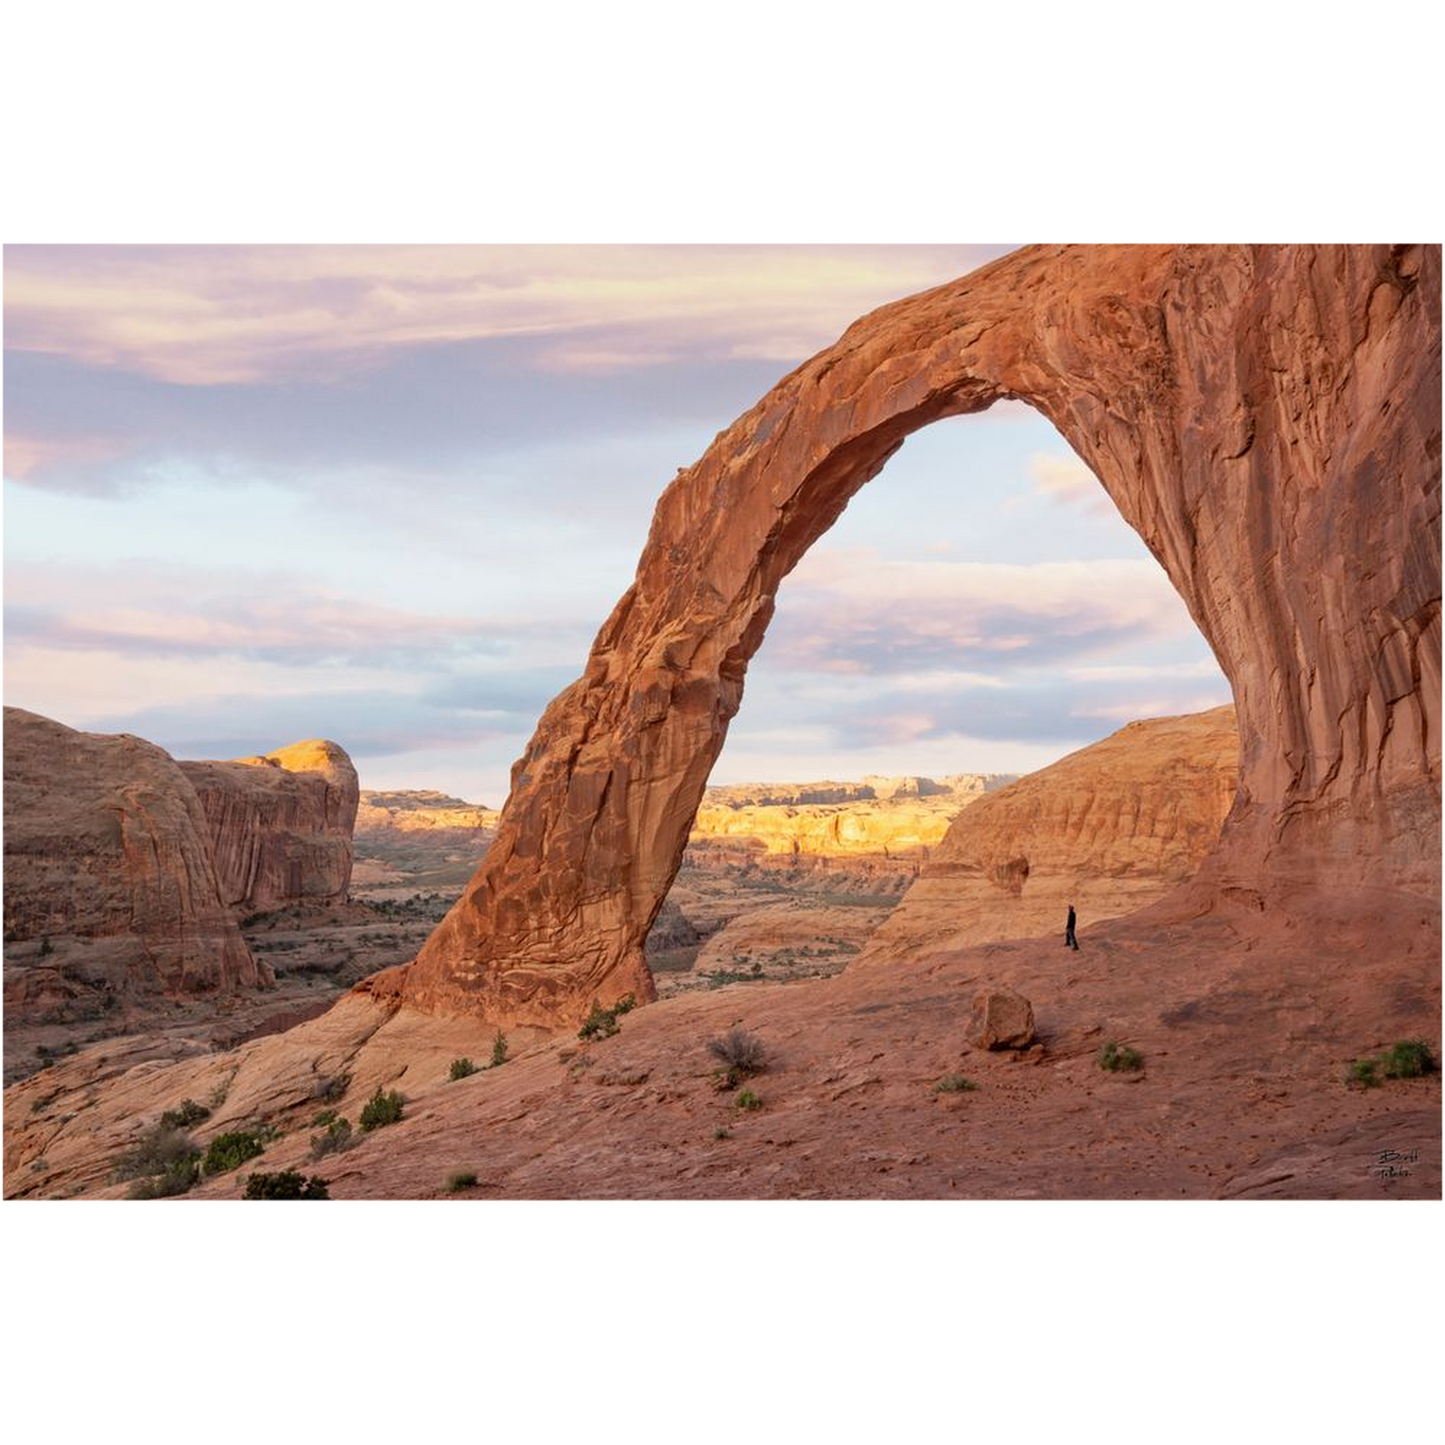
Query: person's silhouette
x=1069, y=940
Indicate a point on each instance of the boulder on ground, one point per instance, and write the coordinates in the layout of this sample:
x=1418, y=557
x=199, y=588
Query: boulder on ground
x=1002, y=1019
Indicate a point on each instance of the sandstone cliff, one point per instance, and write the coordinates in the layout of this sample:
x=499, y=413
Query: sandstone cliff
x=1111, y=829
x=110, y=883
x=280, y=825
x=420, y=810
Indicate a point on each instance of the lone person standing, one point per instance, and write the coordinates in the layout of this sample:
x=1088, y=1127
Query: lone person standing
x=1069, y=940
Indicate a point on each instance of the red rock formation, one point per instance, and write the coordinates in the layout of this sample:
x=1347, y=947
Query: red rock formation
x=1266, y=418
x=1110, y=828
x=110, y=886
x=280, y=825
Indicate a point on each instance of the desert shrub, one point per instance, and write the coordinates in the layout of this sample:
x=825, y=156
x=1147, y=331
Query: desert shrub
x=176, y=1178
x=336, y=1138
x=1408, y=1060
x=740, y=1051
x=1116, y=1058
x=288, y=1184
x=602, y=1023
x=721, y=1133
x=1364, y=1072
x=461, y=1069
x=460, y=1179
x=325, y=1117
x=158, y=1150
x=954, y=1084
x=748, y=1100
x=499, y=1050
x=46, y=948
x=380, y=1109
x=230, y=1150
x=331, y=1086
x=187, y=1114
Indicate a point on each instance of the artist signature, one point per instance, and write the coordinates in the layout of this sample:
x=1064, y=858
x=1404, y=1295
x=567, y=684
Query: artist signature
x=1394, y=1163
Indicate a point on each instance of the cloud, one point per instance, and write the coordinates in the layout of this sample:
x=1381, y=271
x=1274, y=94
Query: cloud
x=846, y=610
x=227, y=314
x=1068, y=479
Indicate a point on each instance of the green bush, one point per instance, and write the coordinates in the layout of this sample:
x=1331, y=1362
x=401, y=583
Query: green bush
x=748, y=1100
x=336, y=1138
x=288, y=1184
x=1409, y=1060
x=325, y=1117
x=229, y=1151
x=160, y=1152
x=602, y=1022
x=381, y=1109
x=189, y=1113
x=177, y=1178
x=499, y=1050
x=460, y=1179
x=954, y=1084
x=1364, y=1072
x=1118, y=1058
x=461, y=1069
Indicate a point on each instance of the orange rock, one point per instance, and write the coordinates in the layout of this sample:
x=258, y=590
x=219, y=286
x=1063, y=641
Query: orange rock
x=280, y=825
x=110, y=885
x=1267, y=418
x=1110, y=829
x=1002, y=1019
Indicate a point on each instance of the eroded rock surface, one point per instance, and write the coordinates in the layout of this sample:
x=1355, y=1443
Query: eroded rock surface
x=110, y=883
x=1266, y=418
x=280, y=825
x=1111, y=828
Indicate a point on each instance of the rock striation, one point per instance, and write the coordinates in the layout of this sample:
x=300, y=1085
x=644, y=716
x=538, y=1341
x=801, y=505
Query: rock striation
x=110, y=881
x=280, y=825
x=1111, y=828
x=1267, y=418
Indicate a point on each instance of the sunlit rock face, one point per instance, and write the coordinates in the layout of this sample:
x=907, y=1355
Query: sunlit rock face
x=1110, y=829
x=1266, y=418
x=110, y=883
x=280, y=825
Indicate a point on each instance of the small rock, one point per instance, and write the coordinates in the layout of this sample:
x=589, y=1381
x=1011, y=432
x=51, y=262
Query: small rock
x=1002, y=1019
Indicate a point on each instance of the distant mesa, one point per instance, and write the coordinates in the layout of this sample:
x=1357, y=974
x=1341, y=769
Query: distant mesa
x=1111, y=828
x=126, y=872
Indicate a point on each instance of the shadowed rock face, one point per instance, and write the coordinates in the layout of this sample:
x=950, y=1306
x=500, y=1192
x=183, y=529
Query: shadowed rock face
x=280, y=825
x=110, y=885
x=1110, y=828
x=1266, y=418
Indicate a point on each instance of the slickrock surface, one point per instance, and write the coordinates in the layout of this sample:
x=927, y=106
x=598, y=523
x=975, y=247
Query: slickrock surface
x=1110, y=828
x=420, y=810
x=1267, y=419
x=110, y=885
x=280, y=825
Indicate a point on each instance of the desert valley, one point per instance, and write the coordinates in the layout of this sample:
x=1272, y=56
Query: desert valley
x=621, y=981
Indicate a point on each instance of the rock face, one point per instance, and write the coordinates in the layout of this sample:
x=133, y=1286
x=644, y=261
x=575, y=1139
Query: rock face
x=110, y=883
x=420, y=811
x=1266, y=418
x=1110, y=829
x=280, y=825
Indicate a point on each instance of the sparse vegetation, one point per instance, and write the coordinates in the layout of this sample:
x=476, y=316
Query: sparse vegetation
x=183, y=1117
x=1117, y=1058
x=602, y=1023
x=461, y=1069
x=288, y=1184
x=230, y=1150
x=381, y=1109
x=337, y=1136
x=325, y=1117
x=499, y=1050
x=460, y=1179
x=46, y=948
x=164, y=1161
x=331, y=1086
x=748, y=1101
x=955, y=1084
x=1409, y=1059
x=721, y=1133
x=741, y=1052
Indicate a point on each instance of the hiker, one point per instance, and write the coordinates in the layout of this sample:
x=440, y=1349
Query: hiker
x=1069, y=940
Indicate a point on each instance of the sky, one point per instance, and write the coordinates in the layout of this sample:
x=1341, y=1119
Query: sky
x=388, y=494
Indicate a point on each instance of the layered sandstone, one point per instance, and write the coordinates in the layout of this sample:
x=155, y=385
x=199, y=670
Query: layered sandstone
x=280, y=825
x=110, y=881
x=1267, y=418
x=1110, y=829
x=420, y=810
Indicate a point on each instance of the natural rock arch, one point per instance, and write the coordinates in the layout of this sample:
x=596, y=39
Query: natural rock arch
x=1266, y=418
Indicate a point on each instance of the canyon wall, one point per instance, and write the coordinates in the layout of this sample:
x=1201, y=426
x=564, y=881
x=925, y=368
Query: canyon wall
x=1267, y=418
x=110, y=881
x=280, y=825
x=1110, y=829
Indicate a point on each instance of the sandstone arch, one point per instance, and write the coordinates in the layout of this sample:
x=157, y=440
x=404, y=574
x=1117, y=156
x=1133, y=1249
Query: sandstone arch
x=1266, y=418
